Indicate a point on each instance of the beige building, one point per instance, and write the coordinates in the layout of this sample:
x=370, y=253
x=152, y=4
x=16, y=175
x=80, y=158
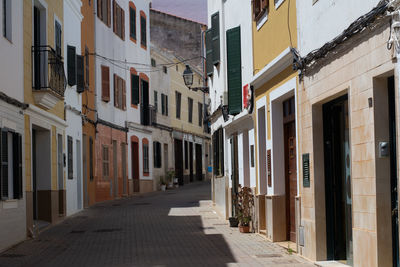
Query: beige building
x=184, y=144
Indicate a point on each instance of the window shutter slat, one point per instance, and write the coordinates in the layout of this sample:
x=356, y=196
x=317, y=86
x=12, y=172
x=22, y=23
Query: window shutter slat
x=123, y=23
x=234, y=71
x=166, y=105
x=99, y=9
x=4, y=164
x=17, y=165
x=269, y=180
x=209, y=53
x=143, y=30
x=105, y=83
x=135, y=89
x=80, y=75
x=71, y=65
x=123, y=95
x=114, y=17
x=115, y=91
x=70, y=159
x=108, y=12
x=215, y=38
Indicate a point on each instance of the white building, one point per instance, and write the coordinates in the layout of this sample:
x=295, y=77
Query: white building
x=230, y=33
x=12, y=196
x=74, y=66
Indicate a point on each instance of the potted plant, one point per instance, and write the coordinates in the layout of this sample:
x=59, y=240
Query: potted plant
x=245, y=200
x=163, y=184
x=170, y=175
x=233, y=221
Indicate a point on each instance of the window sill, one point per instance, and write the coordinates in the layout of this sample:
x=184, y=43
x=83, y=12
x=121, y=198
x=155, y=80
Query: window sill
x=132, y=39
x=146, y=174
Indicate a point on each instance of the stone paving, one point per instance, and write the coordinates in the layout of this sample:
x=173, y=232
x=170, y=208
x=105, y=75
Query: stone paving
x=173, y=228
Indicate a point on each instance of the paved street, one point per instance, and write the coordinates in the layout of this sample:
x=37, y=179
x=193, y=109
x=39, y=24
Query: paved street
x=173, y=228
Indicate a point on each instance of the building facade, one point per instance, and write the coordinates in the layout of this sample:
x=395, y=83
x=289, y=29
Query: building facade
x=12, y=185
x=74, y=64
x=348, y=124
x=44, y=87
x=229, y=67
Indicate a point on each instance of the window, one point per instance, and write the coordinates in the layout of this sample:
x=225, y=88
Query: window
x=80, y=75
x=104, y=12
x=119, y=92
x=260, y=7
x=132, y=22
x=178, y=97
x=119, y=20
x=190, y=108
x=186, y=155
x=7, y=19
x=153, y=62
x=200, y=112
x=143, y=30
x=10, y=165
x=70, y=158
x=157, y=154
x=164, y=104
x=145, y=158
x=134, y=89
x=105, y=83
x=58, y=34
x=87, y=66
x=252, y=156
x=71, y=65
x=218, y=146
x=156, y=100
x=165, y=70
x=91, y=159
x=106, y=162
x=234, y=70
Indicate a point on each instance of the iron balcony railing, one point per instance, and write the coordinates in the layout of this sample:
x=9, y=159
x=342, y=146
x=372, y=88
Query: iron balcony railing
x=48, y=70
x=148, y=115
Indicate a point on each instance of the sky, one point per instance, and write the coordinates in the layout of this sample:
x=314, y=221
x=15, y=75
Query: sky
x=189, y=9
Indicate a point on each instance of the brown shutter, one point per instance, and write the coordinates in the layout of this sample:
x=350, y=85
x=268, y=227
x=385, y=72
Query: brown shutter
x=257, y=8
x=269, y=167
x=99, y=10
x=123, y=95
x=264, y=4
x=115, y=90
x=123, y=23
x=105, y=83
x=114, y=16
x=108, y=12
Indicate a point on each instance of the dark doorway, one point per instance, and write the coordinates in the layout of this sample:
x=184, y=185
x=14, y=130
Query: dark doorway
x=289, y=127
x=144, y=104
x=178, y=160
x=191, y=161
x=199, y=163
x=235, y=172
x=338, y=180
x=393, y=172
x=135, y=166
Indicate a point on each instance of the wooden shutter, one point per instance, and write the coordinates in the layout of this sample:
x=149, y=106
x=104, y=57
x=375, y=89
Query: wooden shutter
x=134, y=89
x=99, y=9
x=71, y=65
x=269, y=168
x=234, y=71
x=162, y=104
x=264, y=4
x=159, y=154
x=108, y=13
x=91, y=152
x=132, y=19
x=209, y=53
x=70, y=159
x=58, y=35
x=256, y=9
x=105, y=83
x=215, y=149
x=17, y=165
x=215, y=38
x=143, y=31
x=116, y=90
x=4, y=164
x=122, y=24
x=123, y=95
x=80, y=75
x=166, y=105
x=114, y=16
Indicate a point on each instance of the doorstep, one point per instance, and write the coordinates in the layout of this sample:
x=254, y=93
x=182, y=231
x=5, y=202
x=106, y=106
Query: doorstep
x=330, y=264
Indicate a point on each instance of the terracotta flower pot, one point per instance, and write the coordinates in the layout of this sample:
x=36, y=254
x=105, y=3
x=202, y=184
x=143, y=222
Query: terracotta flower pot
x=244, y=229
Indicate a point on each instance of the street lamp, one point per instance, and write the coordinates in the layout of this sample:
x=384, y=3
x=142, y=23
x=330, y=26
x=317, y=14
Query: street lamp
x=188, y=79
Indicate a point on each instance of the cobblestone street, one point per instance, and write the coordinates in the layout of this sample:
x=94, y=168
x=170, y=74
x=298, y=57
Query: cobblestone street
x=172, y=228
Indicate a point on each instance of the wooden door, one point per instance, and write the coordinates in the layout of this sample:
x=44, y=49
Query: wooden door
x=135, y=166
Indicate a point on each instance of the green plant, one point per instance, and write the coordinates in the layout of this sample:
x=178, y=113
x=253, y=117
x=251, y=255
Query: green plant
x=245, y=203
x=162, y=181
x=170, y=175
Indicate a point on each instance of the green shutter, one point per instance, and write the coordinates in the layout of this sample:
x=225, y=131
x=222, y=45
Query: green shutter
x=134, y=89
x=215, y=38
x=209, y=53
x=71, y=65
x=80, y=76
x=234, y=71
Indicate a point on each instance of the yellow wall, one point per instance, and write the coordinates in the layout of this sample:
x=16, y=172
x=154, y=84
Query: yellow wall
x=54, y=7
x=273, y=37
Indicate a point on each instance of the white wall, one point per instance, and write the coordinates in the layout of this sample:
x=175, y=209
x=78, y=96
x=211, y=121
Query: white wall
x=11, y=54
x=73, y=103
x=319, y=23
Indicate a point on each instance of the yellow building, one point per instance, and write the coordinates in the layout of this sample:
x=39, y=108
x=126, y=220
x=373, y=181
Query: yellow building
x=275, y=83
x=44, y=86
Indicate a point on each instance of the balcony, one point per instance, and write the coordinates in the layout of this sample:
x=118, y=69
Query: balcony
x=148, y=115
x=48, y=77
